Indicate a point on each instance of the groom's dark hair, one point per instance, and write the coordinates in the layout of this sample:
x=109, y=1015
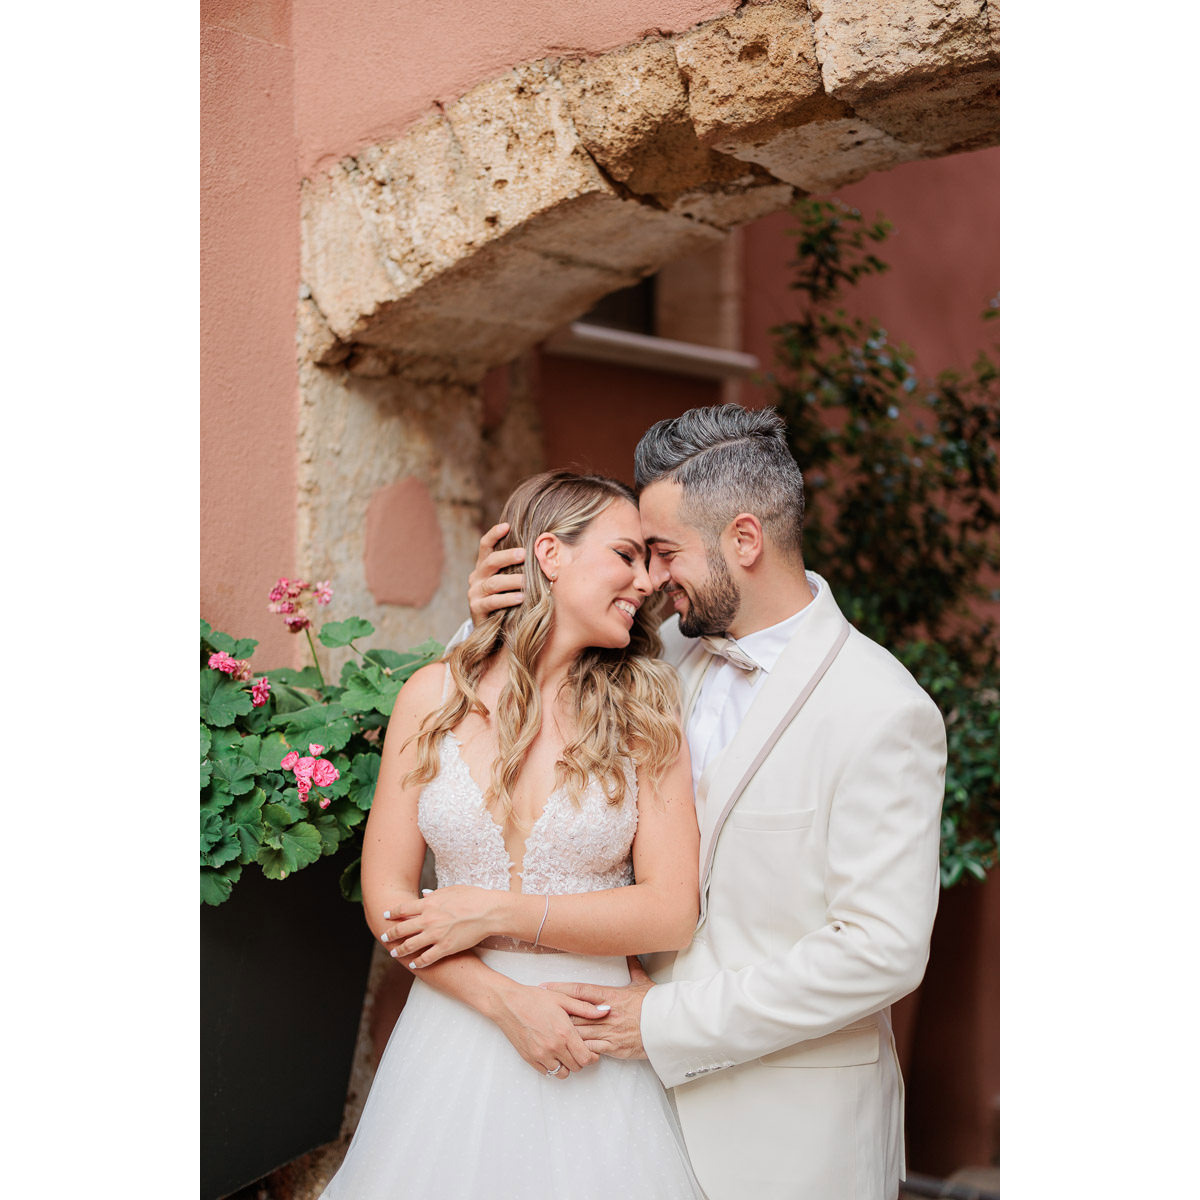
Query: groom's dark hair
x=728, y=460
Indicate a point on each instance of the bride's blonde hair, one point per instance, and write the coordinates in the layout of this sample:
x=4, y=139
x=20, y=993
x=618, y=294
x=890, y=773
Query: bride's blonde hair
x=624, y=701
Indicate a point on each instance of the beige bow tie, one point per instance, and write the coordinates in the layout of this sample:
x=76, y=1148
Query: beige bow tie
x=729, y=650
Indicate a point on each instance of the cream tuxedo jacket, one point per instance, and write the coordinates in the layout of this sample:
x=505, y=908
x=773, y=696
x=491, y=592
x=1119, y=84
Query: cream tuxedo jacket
x=819, y=884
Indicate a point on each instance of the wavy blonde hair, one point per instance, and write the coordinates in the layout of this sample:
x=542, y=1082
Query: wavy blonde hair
x=624, y=701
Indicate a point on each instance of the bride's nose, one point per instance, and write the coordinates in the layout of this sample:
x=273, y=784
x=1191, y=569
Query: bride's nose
x=641, y=579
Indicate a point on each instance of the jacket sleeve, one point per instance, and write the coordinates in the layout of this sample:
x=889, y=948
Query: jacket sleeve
x=881, y=885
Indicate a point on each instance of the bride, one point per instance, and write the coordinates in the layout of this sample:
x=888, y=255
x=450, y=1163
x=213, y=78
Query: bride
x=543, y=765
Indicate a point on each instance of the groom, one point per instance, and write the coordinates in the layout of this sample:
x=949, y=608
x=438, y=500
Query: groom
x=819, y=770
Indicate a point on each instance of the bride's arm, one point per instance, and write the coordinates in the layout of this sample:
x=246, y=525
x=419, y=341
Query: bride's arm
x=658, y=912
x=533, y=1019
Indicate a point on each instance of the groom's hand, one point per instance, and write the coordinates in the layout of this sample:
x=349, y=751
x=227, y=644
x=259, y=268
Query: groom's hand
x=488, y=590
x=617, y=1034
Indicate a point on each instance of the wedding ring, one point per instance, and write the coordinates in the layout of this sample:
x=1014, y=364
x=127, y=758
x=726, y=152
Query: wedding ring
x=554, y=1070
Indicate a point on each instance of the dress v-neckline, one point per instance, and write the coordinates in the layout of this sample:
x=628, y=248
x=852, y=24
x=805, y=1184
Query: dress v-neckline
x=491, y=820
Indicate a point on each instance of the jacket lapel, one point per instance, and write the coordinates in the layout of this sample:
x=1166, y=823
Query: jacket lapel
x=808, y=654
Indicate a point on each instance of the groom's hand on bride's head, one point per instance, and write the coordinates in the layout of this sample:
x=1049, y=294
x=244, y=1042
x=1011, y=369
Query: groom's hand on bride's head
x=488, y=590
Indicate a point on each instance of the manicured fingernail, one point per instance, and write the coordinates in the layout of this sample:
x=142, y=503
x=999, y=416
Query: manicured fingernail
x=413, y=965
x=395, y=953
x=604, y=1007
x=387, y=916
x=427, y=891
x=383, y=937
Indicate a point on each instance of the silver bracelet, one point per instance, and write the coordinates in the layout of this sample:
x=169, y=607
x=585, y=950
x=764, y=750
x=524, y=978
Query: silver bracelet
x=545, y=914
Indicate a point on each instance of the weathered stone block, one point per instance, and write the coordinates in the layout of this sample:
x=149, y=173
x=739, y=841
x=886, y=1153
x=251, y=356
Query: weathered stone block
x=341, y=259
x=940, y=115
x=753, y=70
x=521, y=147
x=865, y=46
x=626, y=237
x=823, y=155
x=421, y=199
x=631, y=110
x=728, y=205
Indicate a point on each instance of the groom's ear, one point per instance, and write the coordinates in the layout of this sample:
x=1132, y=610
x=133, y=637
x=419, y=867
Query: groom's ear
x=546, y=551
x=744, y=539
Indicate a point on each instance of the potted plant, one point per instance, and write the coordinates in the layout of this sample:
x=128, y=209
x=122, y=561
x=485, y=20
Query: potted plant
x=288, y=764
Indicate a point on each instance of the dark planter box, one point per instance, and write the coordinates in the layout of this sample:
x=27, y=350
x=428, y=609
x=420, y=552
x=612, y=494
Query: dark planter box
x=284, y=966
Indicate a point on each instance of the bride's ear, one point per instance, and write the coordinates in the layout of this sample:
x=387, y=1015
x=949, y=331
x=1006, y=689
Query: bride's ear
x=546, y=551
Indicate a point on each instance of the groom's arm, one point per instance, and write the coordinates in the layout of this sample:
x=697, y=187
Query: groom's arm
x=881, y=883
x=881, y=886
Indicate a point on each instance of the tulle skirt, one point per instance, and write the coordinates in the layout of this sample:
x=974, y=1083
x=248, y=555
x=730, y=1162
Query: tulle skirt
x=456, y=1114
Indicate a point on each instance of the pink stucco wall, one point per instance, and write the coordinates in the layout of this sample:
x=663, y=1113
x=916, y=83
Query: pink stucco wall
x=249, y=275
x=944, y=254
x=373, y=67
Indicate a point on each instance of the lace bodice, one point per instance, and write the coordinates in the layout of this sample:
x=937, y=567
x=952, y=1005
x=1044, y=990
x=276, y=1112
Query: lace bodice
x=571, y=848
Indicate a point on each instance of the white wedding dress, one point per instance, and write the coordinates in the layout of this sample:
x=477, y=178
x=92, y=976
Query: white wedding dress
x=454, y=1112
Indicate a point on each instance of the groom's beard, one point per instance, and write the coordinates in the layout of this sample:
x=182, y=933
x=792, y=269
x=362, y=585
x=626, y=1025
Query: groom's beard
x=712, y=609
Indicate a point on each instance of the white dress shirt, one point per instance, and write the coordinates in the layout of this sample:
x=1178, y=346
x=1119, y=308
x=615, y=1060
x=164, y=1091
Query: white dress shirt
x=728, y=692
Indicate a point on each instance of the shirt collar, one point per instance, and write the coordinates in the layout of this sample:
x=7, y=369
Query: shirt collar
x=766, y=645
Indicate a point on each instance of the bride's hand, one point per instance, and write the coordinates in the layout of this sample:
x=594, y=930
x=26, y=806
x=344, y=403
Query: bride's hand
x=538, y=1023
x=442, y=923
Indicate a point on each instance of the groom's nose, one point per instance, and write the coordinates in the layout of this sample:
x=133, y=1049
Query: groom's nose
x=659, y=575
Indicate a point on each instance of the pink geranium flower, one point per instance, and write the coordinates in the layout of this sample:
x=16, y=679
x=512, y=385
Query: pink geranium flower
x=303, y=768
x=297, y=623
x=322, y=592
x=325, y=773
x=290, y=759
x=315, y=750
x=259, y=692
x=220, y=661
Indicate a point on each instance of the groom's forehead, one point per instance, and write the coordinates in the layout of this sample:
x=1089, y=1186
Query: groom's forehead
x=659, y=508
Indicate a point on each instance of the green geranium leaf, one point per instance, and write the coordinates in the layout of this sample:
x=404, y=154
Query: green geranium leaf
x=205, y=741
x=341, y=633
x=220, y=641
x=329, y=831
x=225, y=851
x=235, y=772
x=276, y=816
x=215, y=885
x=326, y=724
x=384, y=658
x=364, y=773
x=272, y=751
x=244, y=647
x=351, y=881
x=298, y=846
x=205, y=774
x=222, y=700
x=224, y=741
x=412, y=660
x=205, y=630
x=211, y=827
x=287, y=698
x=306, y=677
x=371, y=690
x=244, y=820
x=215, y=799
x=258, y=720
x=291, y=804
